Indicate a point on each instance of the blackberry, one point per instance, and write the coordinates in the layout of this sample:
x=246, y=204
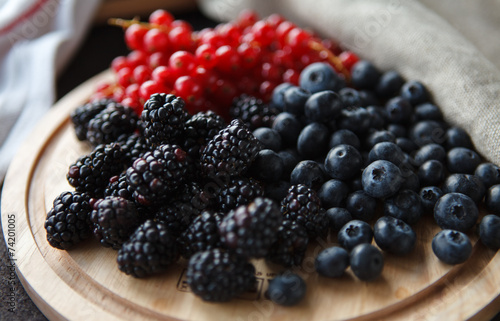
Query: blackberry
x=239, y=191
x=189, y=202
x=302, y=205
x=110, y=123
x=134, y=146
x=253, y=111
x=92, y=172
x=115, y=219
x=251, y=229
x=151, y=249
x=118, y=186
x=230, y=152
x=202, y=234
x=199, y=130
x=68, y=222
x=290, y=247
x=164, y=117
x=82, y=115
x=157, y=173
x=218, y=276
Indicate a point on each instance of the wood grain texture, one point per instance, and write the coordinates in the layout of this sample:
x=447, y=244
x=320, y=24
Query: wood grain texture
x=85, y=283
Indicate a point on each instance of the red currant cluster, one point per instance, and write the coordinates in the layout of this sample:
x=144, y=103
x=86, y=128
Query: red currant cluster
x=209, y=68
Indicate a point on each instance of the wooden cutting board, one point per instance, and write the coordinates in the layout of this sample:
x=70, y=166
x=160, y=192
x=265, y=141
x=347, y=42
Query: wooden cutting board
x=85, y=283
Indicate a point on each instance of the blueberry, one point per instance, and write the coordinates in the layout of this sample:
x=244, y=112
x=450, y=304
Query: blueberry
x=364, y=75
x=428, y=111
x=405, y=205
x=492, y=200
x=406, y=145
x=356, y=119
x=337, y=218
x=289, y=128
x=333, y=193
x=355, y=184
x=489, y=231
x=467, y=184
x=320, y=76
x=361, y=205
x=380, y=136
x=269, y=138
x=415, y=92
x=287, y=289
x=277, y=190
x=398, y=110
x=369, y=97
x=452, y=247
x=394, y=236
x=456, y=211
x=382, y=179
x=386, y=151
x=343, y=162
x=350, y=97
x=353, y=233
x=290, y=160
x=429, y=195
x=309, y=173
x=398, y=130
x=411, y=180
x=457, y=137
x=427, y=132
x=332, y=262
x=462, y=160
x=344, y=136
x=267, y=166
x=323, y=106
x=367, y=262
x=377, y=117
x=313, y=141
x=432, y=172
x=295, y=98
x=277, y=95
x=488, y=173
x=389, y=84
x=428, y=152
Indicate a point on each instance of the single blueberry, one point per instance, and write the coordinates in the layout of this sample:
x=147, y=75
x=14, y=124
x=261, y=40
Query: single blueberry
x=389, y=84
x=353, y=233
x=333, y=193
x=377, y=117
x=367, y=262
x=411, y=180
x=344, y=136
x=290, y=160
x=382, y=179
x=415, y=92
x=355, y=184
x=338, y=217
x=361, y=205
x=277, y=190
x=289, y=128
x=287, y=289
x=386, y=151
x=489, y=231
x=364, y=75
x=269, y=138
x=456, y=211
x=452, y=247
x=394, y=236
x=457, y=137
x=323, y=106
x=350, y=97
x=267, y=166
x=343, y=162
x=295, y=98
x=428, y=111
x=427, y=132
x=488, y=173
x=405, y=205
x=432, y=172
x=369, y=97
x=462, y=160
x=429, y=195
x=398, y=130
x=308, y=173
x=398, y=110
x=406, y=144
x=380, y=136
x=467, y=184
x=277, y=95
x=320, y=76
x=356, y=119
x=428, y=152
x=492, y=199
x=313, y=141
x=332, y=262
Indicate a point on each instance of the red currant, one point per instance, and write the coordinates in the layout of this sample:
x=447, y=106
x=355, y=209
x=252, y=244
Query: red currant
x=348, y=59
x=188, y=89
x=141, y=74
x=249, y=55
x=136, y=58
x=182, y=63
x=205, y=55
x=163, y=75
x=158, y=59
x=247, y=18
x=156, y=40
x=125, y=76
x=263, y=33
x=119, y=63
x=134, y=36
x=227, y=60
x=161, y=17
x=180, y=38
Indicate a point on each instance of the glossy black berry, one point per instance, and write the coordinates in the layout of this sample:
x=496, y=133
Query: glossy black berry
x=309, y=173
x=382, y=179
x=253, y=112
x=313, y=141
x=239, y=191
x=452, y=247
x=462, y=160
x=332, y=262
x=202, y=234
x=82, y=115
x=353, y=233
x=394, y=236
x=323, y=106
x=361, y=205
x=467, y=184
x=290, y=246
x=367, y=262
x=456, y=211
x=343, y=162
x=199, y=130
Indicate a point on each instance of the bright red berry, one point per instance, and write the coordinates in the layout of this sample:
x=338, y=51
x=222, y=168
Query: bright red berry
x=156, y=40
x=188, y=88
x=161, y=17
x=182, y=63
x=227, y=60
x=134, y=36
x=348, y=59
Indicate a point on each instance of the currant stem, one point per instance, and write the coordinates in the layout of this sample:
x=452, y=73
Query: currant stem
x=127, y=23
x=318, y=46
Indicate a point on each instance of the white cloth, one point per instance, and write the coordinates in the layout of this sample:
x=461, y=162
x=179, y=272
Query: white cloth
x=37, y=38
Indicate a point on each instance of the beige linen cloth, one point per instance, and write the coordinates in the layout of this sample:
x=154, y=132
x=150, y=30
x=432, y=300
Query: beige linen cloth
x=452, y=46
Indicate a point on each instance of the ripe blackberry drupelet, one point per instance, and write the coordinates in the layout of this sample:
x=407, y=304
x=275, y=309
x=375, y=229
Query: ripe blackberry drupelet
x=302, y=205
x=158, y=173
x=115, y=219
x=202, y=234
x=239, y=191
x=151, y=249
x=68, y=222
x=290, y=247
x=134, y=146
x=199, y=130
x=230, y=152
x=250, y=230
x=82, y=115
x=253, y=112
x=217, y=275
x=92, y=172
x=164, y=117
x=110, y=123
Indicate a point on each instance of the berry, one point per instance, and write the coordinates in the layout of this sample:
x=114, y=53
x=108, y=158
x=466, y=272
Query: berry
x=267, y=167
x=469, y=185
x=356, y=119
x=428, y=111
x=277, y=190
x=313, y=141
x=287, y=289
x=386, y=151
x=250, y=230
x=350, y=97
x=289, y=128
x=151, y=249
x=367, y=262
x=238, y=192
x=462, y=160
x=133, y=146
x=415, y=92
x=432, y=172
x=269, y=138
x=406, y=145
x=488, y=173
x=290, y=246
x=199, y=130
x=164, y=117
x=114, y=219
x=353, y=233
x=277, y=98
x=394, y=235
x=253, y=112
x=361, y=205
x=457, y=137
x=323, y=106
x=405, y=205
x=82, y=115
x=427, y=132
x=218, y=276
x=492, y=199
x=398, y=130
x=68, y=221
x=379, y=136
x=398, y=110
x=308, y=173
x=451, y=247
x=333, y=193
x=489, y=231
x=364, y=75
x=294, y=99
x=201, y=235
x=343, y=162
x=389, y=84
x=429, y=196
x=320, y=76
x=337, y=218
x=430, y=152
x=382, y=179
x=344, y=136
x=332, y=262
x=456, y=211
